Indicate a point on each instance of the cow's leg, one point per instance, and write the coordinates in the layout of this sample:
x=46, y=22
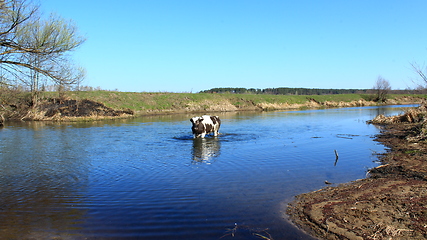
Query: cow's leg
x=203, y=135
x=216, y=130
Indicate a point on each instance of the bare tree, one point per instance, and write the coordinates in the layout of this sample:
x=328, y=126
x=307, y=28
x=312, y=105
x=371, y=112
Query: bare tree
x=32, y=48
x=422, y=73
x=381, y=88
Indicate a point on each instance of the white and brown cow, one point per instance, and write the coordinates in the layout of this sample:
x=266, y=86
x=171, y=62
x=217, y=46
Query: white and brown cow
x=204, y=125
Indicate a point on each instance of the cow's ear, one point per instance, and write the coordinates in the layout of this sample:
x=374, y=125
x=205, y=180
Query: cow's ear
x=191, y=120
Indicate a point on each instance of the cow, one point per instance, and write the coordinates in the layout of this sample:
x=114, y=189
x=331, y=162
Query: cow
x=204, y=125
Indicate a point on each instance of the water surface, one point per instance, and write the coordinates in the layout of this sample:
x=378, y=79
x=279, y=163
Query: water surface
x=147, y=178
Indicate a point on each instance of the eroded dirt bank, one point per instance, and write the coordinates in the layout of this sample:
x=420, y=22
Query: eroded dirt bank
x=61, y=110
x=390, y=204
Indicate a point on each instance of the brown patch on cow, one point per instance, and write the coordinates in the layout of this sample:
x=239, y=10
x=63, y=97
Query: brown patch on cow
x=215, y=120
x=209, y=128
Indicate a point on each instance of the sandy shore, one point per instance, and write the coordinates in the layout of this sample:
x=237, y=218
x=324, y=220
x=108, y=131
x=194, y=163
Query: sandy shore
x=390, y=204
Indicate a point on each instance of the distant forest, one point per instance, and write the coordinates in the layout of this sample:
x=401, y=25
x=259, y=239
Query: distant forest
x=305, y=91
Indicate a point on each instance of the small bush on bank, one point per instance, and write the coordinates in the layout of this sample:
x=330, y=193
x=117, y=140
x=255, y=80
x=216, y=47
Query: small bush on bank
x=14, y=103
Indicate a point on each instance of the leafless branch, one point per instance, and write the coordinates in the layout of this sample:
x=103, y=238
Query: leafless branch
x=420, y=72
x=30, y=45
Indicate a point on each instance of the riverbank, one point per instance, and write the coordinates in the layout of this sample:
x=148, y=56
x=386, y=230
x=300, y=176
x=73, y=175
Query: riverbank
x=165, y=103
x=87, y=106
x=389, y=204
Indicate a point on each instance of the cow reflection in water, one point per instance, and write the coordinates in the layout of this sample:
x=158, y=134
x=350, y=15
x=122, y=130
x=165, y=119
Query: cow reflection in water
x=205, y=150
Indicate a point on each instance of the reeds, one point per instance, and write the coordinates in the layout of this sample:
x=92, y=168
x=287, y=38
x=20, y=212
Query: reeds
x=416, y=116
x=413, y=115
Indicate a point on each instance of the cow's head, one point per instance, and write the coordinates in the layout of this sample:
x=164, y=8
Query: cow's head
x=198, y=126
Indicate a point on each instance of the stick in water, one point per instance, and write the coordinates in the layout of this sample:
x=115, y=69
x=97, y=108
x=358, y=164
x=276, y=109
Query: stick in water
x=336, y=157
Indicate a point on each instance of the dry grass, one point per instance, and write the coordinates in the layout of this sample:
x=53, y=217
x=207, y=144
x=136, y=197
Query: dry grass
x=413, y=115
x=16, y=106
x=146, y=102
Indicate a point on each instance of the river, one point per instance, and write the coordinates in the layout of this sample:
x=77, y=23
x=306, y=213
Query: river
x=147, y=178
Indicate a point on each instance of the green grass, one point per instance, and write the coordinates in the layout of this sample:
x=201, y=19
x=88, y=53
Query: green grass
x=162, y=101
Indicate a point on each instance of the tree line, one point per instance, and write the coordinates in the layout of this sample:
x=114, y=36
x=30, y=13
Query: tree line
x=307, y=91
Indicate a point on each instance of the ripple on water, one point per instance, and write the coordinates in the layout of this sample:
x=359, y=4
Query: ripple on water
x=154, y=181
x=226, y=137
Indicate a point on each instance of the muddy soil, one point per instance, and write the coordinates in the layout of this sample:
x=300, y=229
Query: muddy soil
x=78, y=108
x=390, y=204
x=55, y=109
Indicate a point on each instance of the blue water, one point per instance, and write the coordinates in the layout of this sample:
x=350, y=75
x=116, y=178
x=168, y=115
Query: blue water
x=147, y=178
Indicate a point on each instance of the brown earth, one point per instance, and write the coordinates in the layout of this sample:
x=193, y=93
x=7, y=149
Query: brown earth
x=56, y=109
x=81, y=108
x=390, y=204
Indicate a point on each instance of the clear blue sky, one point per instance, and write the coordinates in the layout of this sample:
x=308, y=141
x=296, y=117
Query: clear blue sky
x=188, y=46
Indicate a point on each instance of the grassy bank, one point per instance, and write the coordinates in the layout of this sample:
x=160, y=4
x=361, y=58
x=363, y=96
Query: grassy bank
x=143, y=103
x=92, y=105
